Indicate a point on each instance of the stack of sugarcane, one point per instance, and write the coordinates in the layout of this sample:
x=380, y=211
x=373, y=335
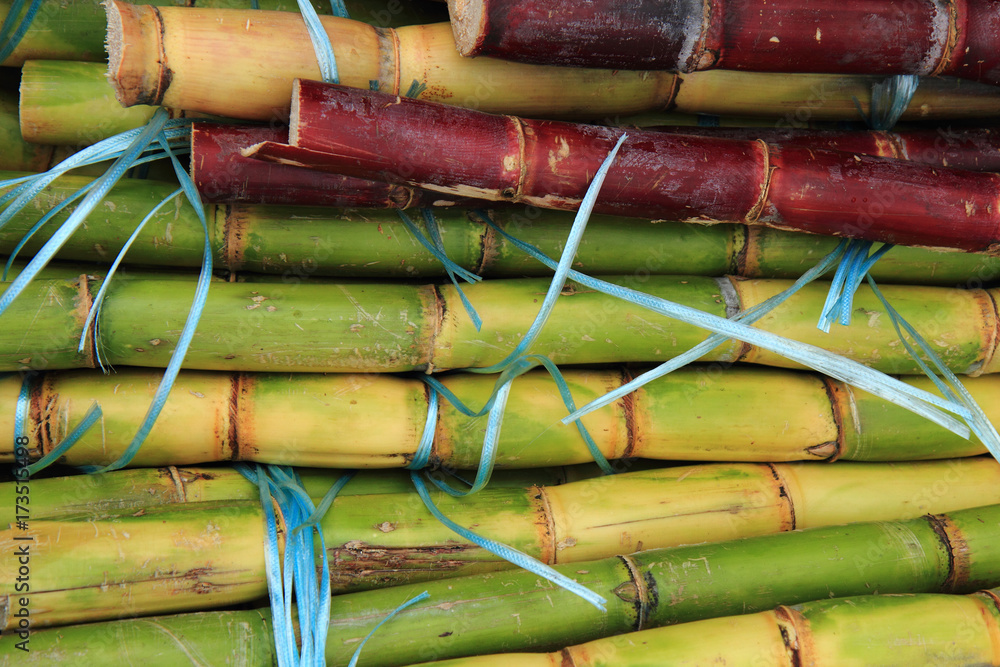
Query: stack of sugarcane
x=780, y=515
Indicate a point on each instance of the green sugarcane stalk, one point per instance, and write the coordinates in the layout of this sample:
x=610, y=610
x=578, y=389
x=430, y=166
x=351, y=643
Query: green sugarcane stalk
x=15, y=152
x=300, y=243
x=396, y=328
x=204, y=553
x=72, y=103
x=71, y=558
x=517, y=611
x=698, y=413
x=75, y=29
x=123, y=492
x=165, y=641
x=887, y=630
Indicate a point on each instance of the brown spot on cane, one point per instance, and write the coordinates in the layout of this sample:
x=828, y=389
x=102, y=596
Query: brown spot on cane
x=489, y=244
x=84, y=304
x=794, y=636
x=788, y=520
x=132, y=83
x=628, y=410
x=545, y=525
x=436, y=313
x=42, y=400
x=840, y=398
x=957, y=549
x=234, y=224
x=358, y=565
x=991, y=362
x=179, y=487
x=635, y=592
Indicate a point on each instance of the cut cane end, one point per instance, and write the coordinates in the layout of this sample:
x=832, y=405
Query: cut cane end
x=113, y=43
x=129, y=58
x=468, y=23
x=293, y=114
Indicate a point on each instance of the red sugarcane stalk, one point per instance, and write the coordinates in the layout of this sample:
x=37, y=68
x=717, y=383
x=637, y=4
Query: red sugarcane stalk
x=932, y=37
x=222, y=174
x=656, y=175
x=976, y=149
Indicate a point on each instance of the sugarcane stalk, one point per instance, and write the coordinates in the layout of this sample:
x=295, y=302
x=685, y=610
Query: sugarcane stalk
x=385, y=328
x=924, y=37
x=795, y=100
x=164, y=641
x=16, y=153
x=72, y=558
x=974, y=149
x=222, y=174
x=212, y=554
x=702, y=180
x=218, y=83
x=210, y=65
x=754, y=414
x=301, y=243
x=75, y=30
x=64, y=102
x=656, y=588
x=871, y=629
x=126, y=491
x=472, y=615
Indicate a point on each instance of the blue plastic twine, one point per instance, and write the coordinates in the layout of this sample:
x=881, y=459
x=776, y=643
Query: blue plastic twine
x=320, y=39
x=515, y=364
x=297, y=573
x=129, y=148
x=851, y=271
x=953, y=389
x=916, y=400
x=890, y=98
x=435, y=246
x=8, y=41
x=412, y=601
x=190, y=324
x=562, y=269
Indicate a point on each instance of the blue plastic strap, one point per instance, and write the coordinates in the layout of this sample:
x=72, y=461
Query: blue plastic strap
x=9, y=43
x=41, y=223
x=101, y=293
x=435, y=246
x=423, y=454
x=392, y=614
x=90, y=201
x=695, y=353
x=507, y=553
x=320, y=40
x=297, y=574
x=89, y=419
x=562, y=269
x=432, y=228
x=916, y=400
x=23, y=402
x=415, y=89
x=850, y=273
x=953, y=389
x=190, y=324
x=27, y=187
x=284, y=638
x=890, y=98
